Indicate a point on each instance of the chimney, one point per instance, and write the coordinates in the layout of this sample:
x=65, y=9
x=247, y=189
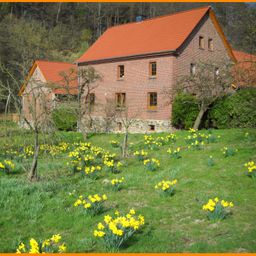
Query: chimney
x=138, y=18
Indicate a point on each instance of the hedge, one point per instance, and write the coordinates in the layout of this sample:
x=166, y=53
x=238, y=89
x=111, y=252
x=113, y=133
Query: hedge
x=234, y=111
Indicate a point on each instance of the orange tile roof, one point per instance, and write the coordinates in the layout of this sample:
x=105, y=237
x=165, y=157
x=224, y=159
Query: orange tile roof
x=51, y=72
x=243, y=56
x=245, y=69
x=164, y=33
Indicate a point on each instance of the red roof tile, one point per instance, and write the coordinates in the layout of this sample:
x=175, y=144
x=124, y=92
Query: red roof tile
x=245, y=69
x=243, y=56
x=164, y=33
x=52, y=73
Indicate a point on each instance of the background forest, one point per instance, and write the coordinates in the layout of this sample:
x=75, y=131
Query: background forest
x=63, y=31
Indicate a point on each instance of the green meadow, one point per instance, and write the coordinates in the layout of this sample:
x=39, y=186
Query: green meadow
x=172, y=224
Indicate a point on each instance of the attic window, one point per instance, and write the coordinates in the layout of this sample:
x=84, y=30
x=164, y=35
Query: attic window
x=201, y=42
x=120, y=72
x=210, y=44
x=152, y=68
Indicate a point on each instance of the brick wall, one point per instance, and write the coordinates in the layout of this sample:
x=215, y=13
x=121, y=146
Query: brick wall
x=136, y=84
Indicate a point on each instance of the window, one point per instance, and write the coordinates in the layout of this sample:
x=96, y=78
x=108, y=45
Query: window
x=152, y=127
x=152, y=69
x=201, y=42
x=120, y=72
x=152, y=100
x=120, y=100
x=192, y=69
x=210, y=44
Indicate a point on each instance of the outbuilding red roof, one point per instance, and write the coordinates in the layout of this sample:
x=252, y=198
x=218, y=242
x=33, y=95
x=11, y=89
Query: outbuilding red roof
x=51, y=71
x=244, y=57
x=156, y=35
x=245, y=69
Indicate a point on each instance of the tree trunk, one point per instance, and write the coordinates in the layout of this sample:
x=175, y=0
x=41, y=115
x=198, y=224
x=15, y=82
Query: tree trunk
x=199, y=117
x=33, y=170
x=58, y=13
x=125, y=144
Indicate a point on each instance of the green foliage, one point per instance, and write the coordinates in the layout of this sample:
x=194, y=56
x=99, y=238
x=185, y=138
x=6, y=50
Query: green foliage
x=184, y=111
x=65, y=118
x=236, y=110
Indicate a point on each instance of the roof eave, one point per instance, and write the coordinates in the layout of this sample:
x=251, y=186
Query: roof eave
x=128, y=57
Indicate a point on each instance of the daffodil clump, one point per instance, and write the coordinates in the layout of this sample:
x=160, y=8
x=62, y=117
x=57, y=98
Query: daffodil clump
x=7, y=166
x=228, y=151
x=78, y=156
x=112, y=166
x=166, y=187
x=117, y=183
x=92, y=172
x=51, y=245
x=170, y=137
x=84, y=156
x=141, y=155
x=194, y=136
x=151, y=143
x=93, y=204
x=174, y=153
x=198, y=145
x=114, y=144
x=151, y=164
x=251, y=169
x=217, y=209
x=115, y=231
x=55, y=150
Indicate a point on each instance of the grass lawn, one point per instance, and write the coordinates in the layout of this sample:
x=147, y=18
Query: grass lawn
x=172, y=224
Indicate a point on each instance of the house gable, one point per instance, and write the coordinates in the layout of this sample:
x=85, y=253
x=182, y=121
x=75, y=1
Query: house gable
x=50, y=72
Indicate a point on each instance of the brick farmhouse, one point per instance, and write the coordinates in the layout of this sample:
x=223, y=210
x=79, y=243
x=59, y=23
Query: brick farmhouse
x=139, y=61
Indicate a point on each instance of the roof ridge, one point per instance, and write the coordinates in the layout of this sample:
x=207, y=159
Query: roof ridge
x=49, y=61
x=160, y=16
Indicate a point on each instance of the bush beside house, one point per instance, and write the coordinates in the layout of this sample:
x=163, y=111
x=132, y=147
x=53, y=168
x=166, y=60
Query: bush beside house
x=237, y=110
x=65, y=118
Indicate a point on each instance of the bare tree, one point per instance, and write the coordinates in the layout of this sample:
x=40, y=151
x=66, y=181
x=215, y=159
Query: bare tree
x=87, y=83
x=127, y=119
x=208, y=81
x=110, y=114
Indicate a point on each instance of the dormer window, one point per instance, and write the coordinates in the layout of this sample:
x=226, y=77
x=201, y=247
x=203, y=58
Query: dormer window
x=120, y=72
x=201, y=42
